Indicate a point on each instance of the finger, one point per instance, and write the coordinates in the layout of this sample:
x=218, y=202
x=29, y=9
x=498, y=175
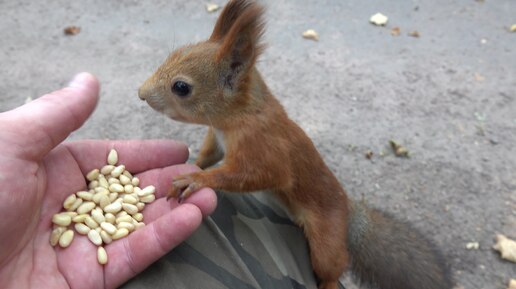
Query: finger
x=136, y=155
x=37, y=127
x=162, y=178
x=205, y=199
x=131, y=255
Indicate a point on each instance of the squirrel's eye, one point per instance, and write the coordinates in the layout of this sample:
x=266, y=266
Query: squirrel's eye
x=181, y=88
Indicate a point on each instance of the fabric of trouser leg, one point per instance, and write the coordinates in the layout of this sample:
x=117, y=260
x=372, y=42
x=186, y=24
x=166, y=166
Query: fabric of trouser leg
x=248, y=242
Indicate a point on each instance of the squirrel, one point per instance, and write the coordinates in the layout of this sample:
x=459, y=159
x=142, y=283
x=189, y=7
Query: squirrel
x=216, y=83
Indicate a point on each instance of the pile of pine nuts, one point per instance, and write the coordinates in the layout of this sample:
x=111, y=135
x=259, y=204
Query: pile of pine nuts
x=109, y=210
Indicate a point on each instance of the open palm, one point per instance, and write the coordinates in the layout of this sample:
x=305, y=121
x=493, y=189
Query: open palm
x=37, y=172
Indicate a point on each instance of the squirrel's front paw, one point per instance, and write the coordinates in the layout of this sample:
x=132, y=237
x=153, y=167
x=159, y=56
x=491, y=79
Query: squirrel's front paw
x=183, y=186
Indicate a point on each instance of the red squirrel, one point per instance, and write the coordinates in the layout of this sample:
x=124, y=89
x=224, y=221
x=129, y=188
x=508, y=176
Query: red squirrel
x=216, y=83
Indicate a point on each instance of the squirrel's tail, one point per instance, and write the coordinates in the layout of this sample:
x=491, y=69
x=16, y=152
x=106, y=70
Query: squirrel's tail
x=390, y=254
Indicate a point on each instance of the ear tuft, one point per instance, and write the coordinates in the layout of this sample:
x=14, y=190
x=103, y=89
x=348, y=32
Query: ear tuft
x=228, y=16
x=239, y=31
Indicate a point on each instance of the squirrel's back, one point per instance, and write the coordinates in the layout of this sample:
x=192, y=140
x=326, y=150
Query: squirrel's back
x=391, y=254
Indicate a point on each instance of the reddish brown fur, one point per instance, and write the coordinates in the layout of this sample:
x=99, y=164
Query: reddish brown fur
x=264, y=149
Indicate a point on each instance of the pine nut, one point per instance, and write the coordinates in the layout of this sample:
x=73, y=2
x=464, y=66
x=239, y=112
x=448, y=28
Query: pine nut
x=61, y=219
x=107, y=169
x=148, y=198
x=94, y=237
x=138, y=217
x=112, y=158
x=129, y=208
x=128, y=226
x=104, y=201
x=82, y=229
x=92, y=175
x=71, y=214
x=128, y=174
x=86, y=207
x=125, y=218
x=87, y=196
x=139, y=225
x=129, y=189
x=124, y=180
x=130, y=199
x=140, y=206
x=56, y=234
x=113, y=197
x=75, y=205
x=90, y=222
x=135, y=181
x=96, y=198
x=116, y=188
x=113, y=208
x=103, y=182
x=101, y=190
x=93, y=184
x=66, y=238
x=102, y=256
x=110, y=228
x=110, y=218
x=117, y=171
x=68, y=202
x=120, y=233
x=121, y=213
x=113, y=181
x=98, y=215
x=147, y=191
x=79, y=218
x=106, y=238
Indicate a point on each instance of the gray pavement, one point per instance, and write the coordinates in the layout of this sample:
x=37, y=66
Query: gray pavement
x=449, y=96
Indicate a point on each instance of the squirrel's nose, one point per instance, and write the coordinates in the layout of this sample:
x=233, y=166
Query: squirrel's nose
x=147, y=89
x=142, y=93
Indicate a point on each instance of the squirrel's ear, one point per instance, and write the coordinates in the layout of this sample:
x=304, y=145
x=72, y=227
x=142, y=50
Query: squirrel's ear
x=228, y=16
x=240, y=43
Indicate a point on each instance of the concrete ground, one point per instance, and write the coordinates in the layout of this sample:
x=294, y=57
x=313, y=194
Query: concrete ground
x=449, y=96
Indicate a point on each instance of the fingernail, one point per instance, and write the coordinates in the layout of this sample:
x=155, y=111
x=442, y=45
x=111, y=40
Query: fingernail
x=79, y=79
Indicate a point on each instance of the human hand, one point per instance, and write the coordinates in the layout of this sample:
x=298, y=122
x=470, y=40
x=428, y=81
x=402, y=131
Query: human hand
x=37, y=172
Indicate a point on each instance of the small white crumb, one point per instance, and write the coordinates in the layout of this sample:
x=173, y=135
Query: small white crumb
x=311, y=34
x=472, y=246
x=479, y=77
x=212, y=7
x=379, y=19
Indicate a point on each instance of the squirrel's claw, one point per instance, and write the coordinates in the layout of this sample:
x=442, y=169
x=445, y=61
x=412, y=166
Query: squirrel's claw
x=182, y=187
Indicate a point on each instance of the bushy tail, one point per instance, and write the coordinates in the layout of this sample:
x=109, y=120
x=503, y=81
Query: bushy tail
x=389, y=254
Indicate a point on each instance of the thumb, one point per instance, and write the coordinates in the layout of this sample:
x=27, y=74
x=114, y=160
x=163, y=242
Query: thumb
x=37, y=127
